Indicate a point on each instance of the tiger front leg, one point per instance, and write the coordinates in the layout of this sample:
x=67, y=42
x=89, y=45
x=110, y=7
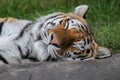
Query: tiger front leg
x=9, y=52
x=40, y=51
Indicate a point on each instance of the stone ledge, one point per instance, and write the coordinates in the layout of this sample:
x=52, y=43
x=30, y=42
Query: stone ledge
x=101, y=69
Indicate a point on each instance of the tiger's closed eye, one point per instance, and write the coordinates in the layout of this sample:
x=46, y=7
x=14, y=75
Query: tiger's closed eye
x=78, y=40
x=76, y=30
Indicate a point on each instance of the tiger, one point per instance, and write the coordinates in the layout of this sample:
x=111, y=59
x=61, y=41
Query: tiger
x=56, y=36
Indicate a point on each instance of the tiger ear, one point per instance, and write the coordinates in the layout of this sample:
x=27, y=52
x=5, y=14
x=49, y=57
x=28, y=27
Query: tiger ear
x=81, y=10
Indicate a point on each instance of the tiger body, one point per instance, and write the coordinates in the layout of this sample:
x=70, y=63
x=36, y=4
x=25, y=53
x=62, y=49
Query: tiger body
x=54, y=36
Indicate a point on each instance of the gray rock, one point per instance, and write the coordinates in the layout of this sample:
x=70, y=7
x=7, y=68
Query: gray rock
x=101, y=69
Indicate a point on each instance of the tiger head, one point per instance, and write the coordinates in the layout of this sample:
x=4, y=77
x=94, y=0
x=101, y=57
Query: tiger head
x=66, y=40
x=72, y=29
x=70, y=36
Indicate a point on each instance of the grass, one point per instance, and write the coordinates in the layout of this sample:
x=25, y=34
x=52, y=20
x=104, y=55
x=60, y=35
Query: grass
x=103, y=15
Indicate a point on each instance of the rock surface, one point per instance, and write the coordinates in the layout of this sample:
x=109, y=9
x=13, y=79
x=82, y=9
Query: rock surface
x=101, y=69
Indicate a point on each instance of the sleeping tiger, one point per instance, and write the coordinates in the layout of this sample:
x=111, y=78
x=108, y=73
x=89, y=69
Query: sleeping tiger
x=56, y=36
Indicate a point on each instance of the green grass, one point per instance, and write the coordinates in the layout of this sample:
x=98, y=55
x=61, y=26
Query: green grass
x=103, y=15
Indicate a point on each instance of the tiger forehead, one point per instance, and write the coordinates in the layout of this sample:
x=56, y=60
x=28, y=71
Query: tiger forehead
x=73, y=16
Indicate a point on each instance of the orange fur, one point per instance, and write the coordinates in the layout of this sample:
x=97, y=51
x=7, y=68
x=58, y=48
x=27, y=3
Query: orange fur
x=9, y=19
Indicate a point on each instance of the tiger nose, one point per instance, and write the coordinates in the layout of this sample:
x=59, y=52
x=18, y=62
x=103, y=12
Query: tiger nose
x=53, y=41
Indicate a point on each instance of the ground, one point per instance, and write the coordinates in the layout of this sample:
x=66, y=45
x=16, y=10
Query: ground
x=101, y=69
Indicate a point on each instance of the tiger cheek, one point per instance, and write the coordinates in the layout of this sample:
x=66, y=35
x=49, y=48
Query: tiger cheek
x=65, y=40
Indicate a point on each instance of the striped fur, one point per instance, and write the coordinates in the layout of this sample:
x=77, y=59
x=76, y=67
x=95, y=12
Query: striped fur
x=53, y=36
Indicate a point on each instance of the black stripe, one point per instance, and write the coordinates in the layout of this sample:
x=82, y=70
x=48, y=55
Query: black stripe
x=1, y=25
x=54, y=20
x=88, y=40
x=22, y=31
x=82, y=27
x=67, y=24
x=92, y=52
x=78, y=25
x=87, y=51
x=21, y=53
x=54, y=16
x=49, y=58
x=88, y=29
x=60, y=17
x=55, y=53
x=39, y=38
x=61, y=21
x=3, y=59
x=84, y=40
x=82, y=58
x=20, y=50
x=27, y=54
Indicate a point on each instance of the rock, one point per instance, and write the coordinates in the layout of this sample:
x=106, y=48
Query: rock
x=100, y=69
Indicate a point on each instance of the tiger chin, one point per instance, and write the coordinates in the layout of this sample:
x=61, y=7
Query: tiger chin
x=54, y=36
